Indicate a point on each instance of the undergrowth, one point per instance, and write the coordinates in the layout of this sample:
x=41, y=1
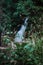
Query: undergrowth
x=23, y=54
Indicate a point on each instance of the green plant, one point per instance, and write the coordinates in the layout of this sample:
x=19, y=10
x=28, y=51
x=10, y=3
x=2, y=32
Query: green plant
x=24, y=54
x=10, y=19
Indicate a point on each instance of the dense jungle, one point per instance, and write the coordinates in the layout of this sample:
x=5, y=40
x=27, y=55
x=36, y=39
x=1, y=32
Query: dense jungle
x=21, y=32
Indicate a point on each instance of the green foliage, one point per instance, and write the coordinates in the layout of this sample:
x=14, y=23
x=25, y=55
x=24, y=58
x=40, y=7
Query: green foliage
x=24, y=54
x=6, y=40
x=10, y=19
x=11, y=11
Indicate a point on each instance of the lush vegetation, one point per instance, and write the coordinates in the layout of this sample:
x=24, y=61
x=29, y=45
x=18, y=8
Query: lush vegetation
x=25, y=54
x=12, y=14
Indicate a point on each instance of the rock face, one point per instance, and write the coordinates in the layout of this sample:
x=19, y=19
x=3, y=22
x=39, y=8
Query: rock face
x=20, y=34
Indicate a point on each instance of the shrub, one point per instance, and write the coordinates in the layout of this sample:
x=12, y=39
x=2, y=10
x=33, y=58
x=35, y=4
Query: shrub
x=24, y=54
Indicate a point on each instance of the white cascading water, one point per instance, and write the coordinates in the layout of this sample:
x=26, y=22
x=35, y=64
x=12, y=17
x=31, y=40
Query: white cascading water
x=20, y=34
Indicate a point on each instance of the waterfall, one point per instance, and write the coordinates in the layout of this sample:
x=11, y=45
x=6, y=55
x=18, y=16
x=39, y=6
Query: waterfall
x=20, y=34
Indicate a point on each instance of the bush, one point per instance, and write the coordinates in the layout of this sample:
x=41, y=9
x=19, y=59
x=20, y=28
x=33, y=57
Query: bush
x=24, y=54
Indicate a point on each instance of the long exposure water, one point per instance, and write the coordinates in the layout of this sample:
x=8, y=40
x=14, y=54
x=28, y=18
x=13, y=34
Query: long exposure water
x=20, y=34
